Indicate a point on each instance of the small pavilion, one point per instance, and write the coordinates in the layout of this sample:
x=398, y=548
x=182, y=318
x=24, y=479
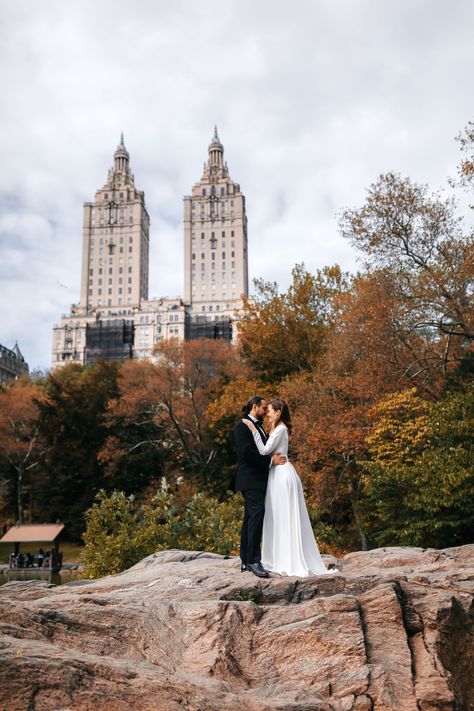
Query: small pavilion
x=39, y=533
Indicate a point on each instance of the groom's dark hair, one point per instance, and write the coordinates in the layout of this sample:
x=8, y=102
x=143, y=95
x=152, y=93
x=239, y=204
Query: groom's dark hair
x=255, y=400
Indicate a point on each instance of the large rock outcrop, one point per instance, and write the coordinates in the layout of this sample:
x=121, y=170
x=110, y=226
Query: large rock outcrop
x=183, y=630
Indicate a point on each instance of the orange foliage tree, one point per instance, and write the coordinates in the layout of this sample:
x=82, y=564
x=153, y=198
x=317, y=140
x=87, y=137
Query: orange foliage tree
x=172, y=395
x=333, y=403
x=416, y=238
x=21, y=445
x=281, y=334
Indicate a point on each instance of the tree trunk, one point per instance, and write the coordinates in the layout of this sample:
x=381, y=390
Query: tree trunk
x=19, y=495
x=364, y=543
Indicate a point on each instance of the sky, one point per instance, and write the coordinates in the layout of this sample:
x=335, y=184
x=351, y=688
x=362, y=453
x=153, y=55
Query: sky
x=313, y=100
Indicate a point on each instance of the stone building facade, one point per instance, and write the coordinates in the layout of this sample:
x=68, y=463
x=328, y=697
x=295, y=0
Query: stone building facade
x=115, y=319
x=215, y=241
x=12, y=364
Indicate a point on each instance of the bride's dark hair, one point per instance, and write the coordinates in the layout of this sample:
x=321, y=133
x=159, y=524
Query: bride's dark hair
x=280, y=406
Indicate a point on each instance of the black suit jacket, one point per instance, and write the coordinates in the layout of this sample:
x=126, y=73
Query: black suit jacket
x=252, y=467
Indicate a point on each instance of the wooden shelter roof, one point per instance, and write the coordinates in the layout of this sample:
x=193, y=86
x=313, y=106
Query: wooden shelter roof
x=32, y=533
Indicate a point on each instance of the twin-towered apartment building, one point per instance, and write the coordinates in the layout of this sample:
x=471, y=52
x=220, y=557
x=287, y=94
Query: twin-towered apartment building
x=115, y=319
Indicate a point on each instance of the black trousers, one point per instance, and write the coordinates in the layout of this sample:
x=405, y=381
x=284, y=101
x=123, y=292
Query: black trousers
x=252, y=525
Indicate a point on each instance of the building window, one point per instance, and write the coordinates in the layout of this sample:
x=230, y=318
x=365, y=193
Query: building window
x=213, y=256
x=222, y=191
x=223, y=255
x=232, y=234
x=129, y=289
x=232, y=254
x=203, y=192
x=223, y=265
x=130, y=270
x=193, y=256
x=99, y=291
x=110, y=292
x=203, y=255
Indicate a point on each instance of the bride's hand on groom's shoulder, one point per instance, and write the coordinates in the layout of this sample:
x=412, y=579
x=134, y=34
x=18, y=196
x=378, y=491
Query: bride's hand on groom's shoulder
x=250, y=425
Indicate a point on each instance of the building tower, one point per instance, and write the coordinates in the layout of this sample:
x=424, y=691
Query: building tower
x=115, y=241
x=114, y=319
x=215, y=242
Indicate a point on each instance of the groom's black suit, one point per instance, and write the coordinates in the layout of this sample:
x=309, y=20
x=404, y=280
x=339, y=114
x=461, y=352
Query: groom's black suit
x=251, y=479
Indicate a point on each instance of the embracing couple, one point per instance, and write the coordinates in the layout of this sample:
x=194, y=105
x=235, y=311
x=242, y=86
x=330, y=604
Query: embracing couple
x=273, y=496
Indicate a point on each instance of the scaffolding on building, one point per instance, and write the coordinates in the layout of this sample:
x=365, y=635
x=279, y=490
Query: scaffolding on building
x=200, y=327
x=109, y=340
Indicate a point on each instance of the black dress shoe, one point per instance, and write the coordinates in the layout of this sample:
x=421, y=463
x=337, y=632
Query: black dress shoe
x=244, y=568
x=258, y=570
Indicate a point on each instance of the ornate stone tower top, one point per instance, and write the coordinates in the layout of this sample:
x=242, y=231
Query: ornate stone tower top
x=215, y=240
x=115, y=241
x=215, y=169
x=121, y=157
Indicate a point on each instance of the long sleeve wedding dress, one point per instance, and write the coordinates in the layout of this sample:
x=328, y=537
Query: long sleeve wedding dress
x=289, y=546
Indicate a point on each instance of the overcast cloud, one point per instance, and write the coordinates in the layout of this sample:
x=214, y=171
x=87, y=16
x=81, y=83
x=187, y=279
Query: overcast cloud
x=313, y=100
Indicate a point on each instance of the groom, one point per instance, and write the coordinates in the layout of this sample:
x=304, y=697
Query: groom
x=251, y=479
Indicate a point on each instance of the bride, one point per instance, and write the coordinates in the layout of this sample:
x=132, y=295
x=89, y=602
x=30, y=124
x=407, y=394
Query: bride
x=289, y=546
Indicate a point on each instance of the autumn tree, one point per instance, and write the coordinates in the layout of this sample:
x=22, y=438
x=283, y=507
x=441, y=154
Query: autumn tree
x=166, y=402
x=21, y=443
x=73, y=428
x=332, y=403
x=415, y=239
x=284, y=333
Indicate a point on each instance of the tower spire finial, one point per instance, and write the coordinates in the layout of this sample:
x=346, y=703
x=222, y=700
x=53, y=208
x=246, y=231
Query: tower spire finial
x=122, y=144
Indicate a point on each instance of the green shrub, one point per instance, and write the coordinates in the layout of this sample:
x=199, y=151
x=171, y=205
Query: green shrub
x=119, y=534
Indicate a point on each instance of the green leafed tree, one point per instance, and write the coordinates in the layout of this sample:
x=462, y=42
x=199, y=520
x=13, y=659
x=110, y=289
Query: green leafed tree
x=419, y=482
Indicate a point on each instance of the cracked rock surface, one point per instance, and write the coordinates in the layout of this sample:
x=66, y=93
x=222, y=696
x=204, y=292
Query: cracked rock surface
x=187, y=630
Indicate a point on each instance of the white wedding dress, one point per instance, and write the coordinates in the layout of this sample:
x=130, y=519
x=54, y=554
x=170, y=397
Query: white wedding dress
x=289, y=546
